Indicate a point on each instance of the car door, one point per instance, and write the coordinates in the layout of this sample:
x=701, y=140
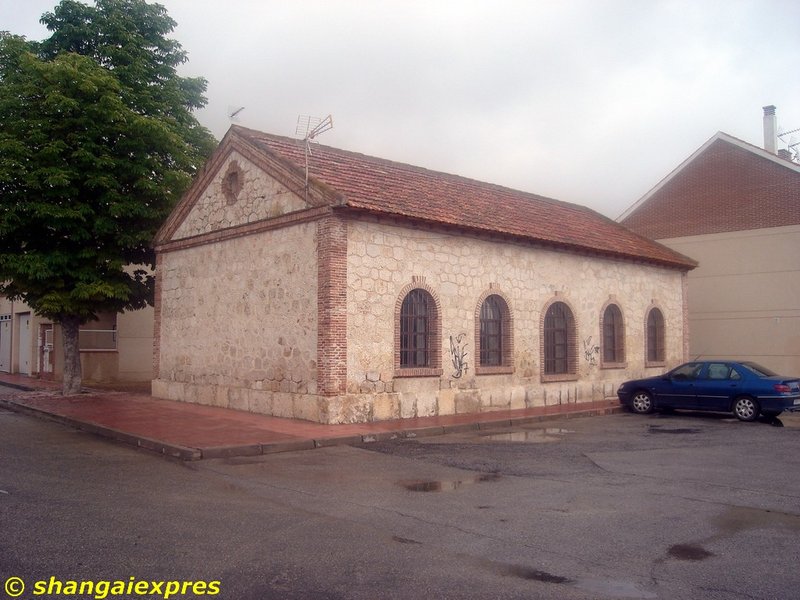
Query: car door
x=678, y=390
x=716, y=386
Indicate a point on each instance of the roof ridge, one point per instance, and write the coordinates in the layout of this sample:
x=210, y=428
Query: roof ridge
x=416, y=168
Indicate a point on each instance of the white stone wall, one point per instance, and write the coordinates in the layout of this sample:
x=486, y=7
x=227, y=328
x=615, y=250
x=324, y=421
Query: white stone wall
x=261, y=197
x=239, y=323
x=384, y=258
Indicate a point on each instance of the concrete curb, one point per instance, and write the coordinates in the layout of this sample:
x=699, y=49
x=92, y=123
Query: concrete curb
x=139, y=441
x=19, y=386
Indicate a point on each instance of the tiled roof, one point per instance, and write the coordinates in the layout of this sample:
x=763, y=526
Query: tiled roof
x=385, y=187
x=727, y=185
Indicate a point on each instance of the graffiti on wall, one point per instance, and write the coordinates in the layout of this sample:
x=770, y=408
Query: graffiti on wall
x=458, y=354
x=591, y=352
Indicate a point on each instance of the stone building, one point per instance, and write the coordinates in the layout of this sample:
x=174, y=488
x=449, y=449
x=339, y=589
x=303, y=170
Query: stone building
x=735, y=208
x=349, y=288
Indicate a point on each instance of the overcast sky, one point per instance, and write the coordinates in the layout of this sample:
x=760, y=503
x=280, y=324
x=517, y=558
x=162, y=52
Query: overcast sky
x=588, y=101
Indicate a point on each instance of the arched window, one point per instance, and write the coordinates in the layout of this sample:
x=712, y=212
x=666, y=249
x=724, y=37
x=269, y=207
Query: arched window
x=559, y=340
x=613, y=335
x=655, y=336
x=417, y=315
x=493, y=332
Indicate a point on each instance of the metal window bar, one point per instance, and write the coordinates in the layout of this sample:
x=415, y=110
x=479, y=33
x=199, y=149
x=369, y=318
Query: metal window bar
x=556, y=339
x=491, y=332
x=655, y=336
x=415, y=323
x=613, y=340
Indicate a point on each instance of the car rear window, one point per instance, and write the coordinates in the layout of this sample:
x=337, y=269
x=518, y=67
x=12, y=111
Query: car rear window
x=758, y=369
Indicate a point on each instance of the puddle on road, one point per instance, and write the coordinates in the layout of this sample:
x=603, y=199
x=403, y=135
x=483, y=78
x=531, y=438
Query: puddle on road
x=734, y=520
x=532, y=574
x=530, y=436
x=445, y=485
x=662, y=429
x=613, y=588
x=740, y=518
x=599, y=588
x=402, y=540
x=692, y=552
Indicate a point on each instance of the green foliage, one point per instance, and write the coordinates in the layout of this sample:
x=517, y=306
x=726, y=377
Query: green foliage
x=129, y=38
x=97, y=143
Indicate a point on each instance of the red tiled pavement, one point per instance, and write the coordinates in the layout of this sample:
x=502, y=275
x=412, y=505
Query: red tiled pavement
x=192, y=431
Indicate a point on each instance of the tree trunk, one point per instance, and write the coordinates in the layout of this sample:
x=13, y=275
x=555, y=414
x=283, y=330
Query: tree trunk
x=72, y=356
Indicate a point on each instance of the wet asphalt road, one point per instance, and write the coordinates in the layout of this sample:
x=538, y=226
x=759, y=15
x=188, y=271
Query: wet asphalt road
x=623, y=506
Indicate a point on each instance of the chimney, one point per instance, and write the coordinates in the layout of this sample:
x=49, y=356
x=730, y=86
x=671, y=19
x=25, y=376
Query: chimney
x=770, y=130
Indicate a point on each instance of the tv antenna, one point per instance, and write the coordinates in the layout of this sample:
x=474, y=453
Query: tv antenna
x=233, y=113
x=791, y=144
x=310, y=128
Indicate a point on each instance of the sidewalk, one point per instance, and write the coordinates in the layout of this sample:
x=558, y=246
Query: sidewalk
x=193, y=432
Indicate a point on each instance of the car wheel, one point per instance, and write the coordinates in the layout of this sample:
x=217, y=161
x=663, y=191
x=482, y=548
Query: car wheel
x=642, y=402
x=746, y=409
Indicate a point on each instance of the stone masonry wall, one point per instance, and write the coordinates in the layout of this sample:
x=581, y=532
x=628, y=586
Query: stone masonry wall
x=238, y=322
x=383, y=259
x=240, y=193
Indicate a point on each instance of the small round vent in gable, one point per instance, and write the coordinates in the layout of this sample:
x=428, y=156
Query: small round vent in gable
x=233, y=182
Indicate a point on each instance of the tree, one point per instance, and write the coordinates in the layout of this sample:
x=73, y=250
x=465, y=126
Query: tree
x=97, y=143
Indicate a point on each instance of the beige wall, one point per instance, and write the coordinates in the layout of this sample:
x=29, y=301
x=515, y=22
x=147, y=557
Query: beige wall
x=744, y=298
x=135, y=345
x=384, y=259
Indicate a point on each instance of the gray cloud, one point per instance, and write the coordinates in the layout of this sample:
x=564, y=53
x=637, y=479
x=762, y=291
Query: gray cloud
x=586, y=101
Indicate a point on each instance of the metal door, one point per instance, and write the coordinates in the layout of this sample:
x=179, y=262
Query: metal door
x=25, y=343
x=46, y=354
x=5, y=343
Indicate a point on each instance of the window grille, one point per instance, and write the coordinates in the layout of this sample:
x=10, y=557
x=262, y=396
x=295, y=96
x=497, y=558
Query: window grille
x=492, y=332
x=613, y=335
x=655, y=336
x=415, y=329
x=558, y=339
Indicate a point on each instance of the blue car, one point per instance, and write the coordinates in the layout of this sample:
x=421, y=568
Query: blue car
x=743, y=388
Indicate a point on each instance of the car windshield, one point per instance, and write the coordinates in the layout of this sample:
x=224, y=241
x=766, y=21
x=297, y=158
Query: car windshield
x=687, y=371
x=758, y=369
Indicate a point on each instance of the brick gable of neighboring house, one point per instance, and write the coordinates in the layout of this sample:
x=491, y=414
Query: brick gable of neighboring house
x=735, y=208
x=727, y=185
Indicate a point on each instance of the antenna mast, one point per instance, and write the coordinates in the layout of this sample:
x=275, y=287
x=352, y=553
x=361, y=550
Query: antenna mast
x=310, y=128
x=233, y=113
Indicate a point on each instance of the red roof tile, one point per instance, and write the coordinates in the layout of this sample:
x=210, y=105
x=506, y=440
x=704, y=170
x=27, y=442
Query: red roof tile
x=382, y=186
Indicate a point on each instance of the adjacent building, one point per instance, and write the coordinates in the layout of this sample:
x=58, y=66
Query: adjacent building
x=735, y=208
x=114, y=348
x=322, y=284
